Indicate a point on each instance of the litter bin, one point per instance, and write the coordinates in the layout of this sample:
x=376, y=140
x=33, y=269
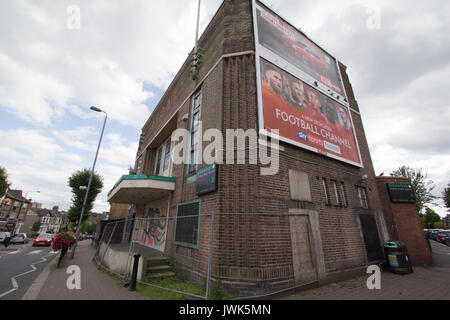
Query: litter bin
x=397, y=257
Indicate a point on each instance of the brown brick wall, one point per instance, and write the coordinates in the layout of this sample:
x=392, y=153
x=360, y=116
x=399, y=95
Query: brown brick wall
x=403, y=222
x=249, y=247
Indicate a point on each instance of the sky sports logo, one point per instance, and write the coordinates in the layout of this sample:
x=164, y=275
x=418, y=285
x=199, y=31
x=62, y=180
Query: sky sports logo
x=302, y=135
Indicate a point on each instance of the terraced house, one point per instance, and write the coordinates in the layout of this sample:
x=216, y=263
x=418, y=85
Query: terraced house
x=295, y=204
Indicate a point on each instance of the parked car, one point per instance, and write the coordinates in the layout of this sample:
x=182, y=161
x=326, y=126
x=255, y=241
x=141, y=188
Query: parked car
x=444, y=237
x=43, y=239
x=3, y=236
x=20, y=238
x=434, y=233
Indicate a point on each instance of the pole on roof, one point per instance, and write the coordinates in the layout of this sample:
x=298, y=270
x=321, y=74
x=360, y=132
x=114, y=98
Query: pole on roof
x=198, y=22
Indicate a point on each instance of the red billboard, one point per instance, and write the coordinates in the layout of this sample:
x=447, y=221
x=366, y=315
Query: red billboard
x=277, y=39
x=306, y=117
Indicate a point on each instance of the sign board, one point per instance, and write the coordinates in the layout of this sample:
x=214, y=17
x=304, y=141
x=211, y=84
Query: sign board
x=306, y=117
x=300, y=91
x=278, y=41
x=401, y=193
x=206, y=180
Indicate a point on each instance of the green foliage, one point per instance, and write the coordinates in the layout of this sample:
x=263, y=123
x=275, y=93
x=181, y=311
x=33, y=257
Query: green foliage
x=81, y=178
x=430, y=218
x=88, y=227
x=439, y=225
x=421, y=186
x=217, y=292
x=446, y=196
x=3, y=179
x=36, y=225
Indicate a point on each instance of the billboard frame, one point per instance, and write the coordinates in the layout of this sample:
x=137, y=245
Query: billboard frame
x=278, y=61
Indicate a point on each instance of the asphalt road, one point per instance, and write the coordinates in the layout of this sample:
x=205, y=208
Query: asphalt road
x=19, y=268
x=440, y=254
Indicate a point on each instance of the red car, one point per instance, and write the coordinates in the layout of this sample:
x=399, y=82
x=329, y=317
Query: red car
x=44, y=239
x=305, y=54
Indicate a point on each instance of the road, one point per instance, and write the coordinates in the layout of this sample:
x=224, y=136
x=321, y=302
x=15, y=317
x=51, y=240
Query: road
x=19, y=268
x=440, y=254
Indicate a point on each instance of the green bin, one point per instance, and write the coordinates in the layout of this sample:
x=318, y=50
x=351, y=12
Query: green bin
x=397, y=257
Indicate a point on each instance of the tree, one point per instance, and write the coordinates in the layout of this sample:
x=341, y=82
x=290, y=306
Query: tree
x=81, y=178
x=421, y=186
x=430, y=218
x=446, y=196
x=3, y=181
x=36, y=226
x=439, y=225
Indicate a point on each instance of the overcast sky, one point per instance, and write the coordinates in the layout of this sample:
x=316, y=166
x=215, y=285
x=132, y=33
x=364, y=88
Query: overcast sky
x=120, y=55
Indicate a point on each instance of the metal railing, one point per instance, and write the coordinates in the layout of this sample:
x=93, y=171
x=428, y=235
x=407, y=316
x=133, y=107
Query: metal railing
x=221, y=255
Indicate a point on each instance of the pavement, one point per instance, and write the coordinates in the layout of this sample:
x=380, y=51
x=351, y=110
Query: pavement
x=53, y=283
x=424, y=283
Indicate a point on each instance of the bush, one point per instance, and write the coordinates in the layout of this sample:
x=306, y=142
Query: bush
x=63, y=240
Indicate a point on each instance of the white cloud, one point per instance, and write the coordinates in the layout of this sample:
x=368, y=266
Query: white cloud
x=50, y=74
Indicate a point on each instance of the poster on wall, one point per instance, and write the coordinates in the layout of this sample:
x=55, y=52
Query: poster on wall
x=305, y=116
x=281, y=43
x=153, y=230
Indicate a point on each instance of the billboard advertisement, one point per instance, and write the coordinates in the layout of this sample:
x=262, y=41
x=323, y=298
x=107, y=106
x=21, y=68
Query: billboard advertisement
x=279, y=42
x=304, y=116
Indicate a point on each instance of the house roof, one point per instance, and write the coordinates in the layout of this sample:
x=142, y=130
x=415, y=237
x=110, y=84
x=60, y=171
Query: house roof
x=16, y=195
x=44, y=212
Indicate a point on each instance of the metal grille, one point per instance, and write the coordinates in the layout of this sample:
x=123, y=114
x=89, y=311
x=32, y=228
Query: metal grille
x=187, y=224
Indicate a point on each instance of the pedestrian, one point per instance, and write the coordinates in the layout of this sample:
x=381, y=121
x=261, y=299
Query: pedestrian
x=7, y=239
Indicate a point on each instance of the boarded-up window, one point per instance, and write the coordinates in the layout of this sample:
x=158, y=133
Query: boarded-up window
x=371, y=238
x=187, y=224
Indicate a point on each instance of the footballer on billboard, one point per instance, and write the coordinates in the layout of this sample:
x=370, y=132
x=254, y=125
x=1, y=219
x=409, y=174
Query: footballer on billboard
x=305, y=116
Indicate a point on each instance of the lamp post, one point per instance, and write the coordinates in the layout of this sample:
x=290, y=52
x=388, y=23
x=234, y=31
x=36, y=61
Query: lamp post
x=90, y=180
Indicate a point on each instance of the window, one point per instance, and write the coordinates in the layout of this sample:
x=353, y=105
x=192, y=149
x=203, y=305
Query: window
x=195, y=131
x=334, y=193
x=167, y=156
x=343, y=194
x=163, y=158
x=362, y=195
x=158, y=162
x=324, y=184
x=187, y=224
x=45, y=219
x=139, y=165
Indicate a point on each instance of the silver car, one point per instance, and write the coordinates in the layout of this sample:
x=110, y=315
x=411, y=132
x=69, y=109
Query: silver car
x=20, y=238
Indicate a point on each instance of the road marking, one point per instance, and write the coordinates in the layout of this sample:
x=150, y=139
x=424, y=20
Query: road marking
x=14, y=252
x=34, y=252
x=14, y=281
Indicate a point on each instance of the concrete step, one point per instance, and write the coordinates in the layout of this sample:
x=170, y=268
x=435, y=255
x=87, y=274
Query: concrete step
x=168, y=274
x=159, y=268
x=156, y=260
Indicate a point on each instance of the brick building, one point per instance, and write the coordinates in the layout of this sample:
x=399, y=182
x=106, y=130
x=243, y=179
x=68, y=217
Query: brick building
x=14, y=209
x=318, y=218
x=51, y=221
x=402, y=218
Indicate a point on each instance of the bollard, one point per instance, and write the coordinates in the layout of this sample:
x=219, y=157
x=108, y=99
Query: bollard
x=134, y=274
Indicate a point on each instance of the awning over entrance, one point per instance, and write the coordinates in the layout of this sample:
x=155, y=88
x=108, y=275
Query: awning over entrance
x=141, y=189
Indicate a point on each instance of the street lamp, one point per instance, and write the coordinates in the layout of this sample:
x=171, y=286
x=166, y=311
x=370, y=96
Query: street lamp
x=90, y=180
